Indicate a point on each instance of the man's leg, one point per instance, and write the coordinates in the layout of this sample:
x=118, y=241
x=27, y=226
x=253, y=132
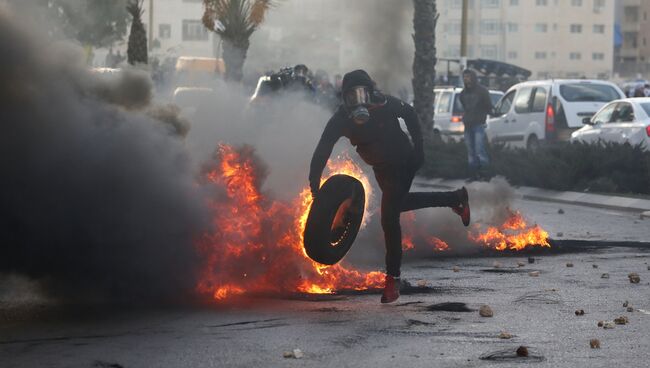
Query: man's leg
x=481, y=149
x=470, y=143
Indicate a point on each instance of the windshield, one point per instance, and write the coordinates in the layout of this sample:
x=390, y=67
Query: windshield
x=586, y=92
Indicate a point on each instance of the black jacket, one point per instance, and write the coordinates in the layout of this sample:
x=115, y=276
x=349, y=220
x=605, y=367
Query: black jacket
x=477, y=104
x=380, y=142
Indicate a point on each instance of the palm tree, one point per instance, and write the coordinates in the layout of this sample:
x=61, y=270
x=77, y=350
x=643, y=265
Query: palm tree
x=137, y=47
x=424, y=63
x=235, y=21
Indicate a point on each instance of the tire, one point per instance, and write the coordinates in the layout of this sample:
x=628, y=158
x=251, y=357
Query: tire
x=334, y=219
x=533, y=143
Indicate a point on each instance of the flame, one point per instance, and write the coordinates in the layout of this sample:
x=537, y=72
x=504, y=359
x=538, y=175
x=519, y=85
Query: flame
x=513, y=234
x=438, y=244
x=256, y=245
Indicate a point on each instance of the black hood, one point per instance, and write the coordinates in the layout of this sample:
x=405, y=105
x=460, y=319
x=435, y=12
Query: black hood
x=472, y=76
x=355, y=78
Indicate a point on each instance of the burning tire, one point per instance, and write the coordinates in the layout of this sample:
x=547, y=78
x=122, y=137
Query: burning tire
x=334, y=219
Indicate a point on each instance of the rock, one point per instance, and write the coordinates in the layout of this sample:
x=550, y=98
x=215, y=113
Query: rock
x=608, y=325
x=622, y=320
x=485, y=311
x=505, y=336
x=594, y=265
x=456, y=269
x=604, y=276
x=520, y=264
x=531, y=260
x=634, y=278
x=533, y=273
x=630, y=309
x=522, y=351
x=496, y=264
x=625, y=304
x=295, y=354
x=560, y=234
x=594, y=343
x=560, y=212
x=600, y=323
x=580, y=312
x=422, y=283
x=569, y=264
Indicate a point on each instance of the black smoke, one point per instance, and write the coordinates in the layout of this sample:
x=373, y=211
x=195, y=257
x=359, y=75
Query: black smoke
x=96, y=197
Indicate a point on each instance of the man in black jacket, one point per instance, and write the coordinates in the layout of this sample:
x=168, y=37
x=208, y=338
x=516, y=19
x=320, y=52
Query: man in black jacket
x=477, y=104
x=369, y=119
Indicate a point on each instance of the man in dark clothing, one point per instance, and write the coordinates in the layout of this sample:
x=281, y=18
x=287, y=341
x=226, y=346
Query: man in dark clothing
x=477, y=104
x=369, y=119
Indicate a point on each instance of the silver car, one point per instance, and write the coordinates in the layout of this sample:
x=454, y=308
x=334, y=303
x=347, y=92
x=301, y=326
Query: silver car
x=449, y=111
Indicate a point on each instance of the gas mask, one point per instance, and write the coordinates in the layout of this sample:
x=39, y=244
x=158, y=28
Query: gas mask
x=357, y=101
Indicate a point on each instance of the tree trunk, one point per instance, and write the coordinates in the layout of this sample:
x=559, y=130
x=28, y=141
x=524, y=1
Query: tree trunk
x=234, y=56
x=424, y=63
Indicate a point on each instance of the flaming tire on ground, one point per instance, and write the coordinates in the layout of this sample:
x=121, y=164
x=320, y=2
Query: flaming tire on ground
x=334, y=219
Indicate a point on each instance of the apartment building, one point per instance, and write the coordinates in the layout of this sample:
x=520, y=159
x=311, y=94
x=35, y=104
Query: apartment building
x=633, y=20
x=552, y=38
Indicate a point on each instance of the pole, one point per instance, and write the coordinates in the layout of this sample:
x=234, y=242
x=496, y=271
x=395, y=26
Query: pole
x=463, y=35
x=150, y=25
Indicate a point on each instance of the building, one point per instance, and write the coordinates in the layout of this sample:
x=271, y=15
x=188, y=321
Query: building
x=552, y=38
x=633, y=55
x=178, y=29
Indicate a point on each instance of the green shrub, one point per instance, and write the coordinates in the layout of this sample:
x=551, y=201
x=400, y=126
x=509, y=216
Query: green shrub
x=613, y=168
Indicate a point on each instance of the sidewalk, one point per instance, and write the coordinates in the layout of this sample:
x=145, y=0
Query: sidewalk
x=576, y=198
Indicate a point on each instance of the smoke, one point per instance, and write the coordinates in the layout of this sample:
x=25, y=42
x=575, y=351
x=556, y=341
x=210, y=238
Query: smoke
x=97, y=198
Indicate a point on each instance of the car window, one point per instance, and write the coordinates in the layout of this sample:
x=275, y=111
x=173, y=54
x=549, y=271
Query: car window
x=522, y=102
x=436, y=98
x=604, y=115
x=646, y=108
x=587, y=92
x=539, y=100
x=495, y=97
x=503, y=106
x=458, y=106
x=623, y=113
x=445, y=102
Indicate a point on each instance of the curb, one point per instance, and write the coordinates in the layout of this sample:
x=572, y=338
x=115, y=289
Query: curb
x=575, y=198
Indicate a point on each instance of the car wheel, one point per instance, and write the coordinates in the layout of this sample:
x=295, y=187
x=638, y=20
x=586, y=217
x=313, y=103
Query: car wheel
x=334, y=219
x=533, y=143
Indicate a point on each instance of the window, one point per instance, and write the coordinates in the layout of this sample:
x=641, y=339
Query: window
x=629, y=39
x=541, y=2
x=512, y=54
x=193, y=30
x=539, y=100
x=604, y=115
x=503, y=106
x=522, y=102
x=576, y=28
x=514, y=2
x=631, y=14
x=541, y=27
x=453, y=27
x=445, y=103
x=489, y=3
x=540, y=55
x=623, y=113
x=489, y=51
x=575, y=56
x=599, y=28
x=576, y=2
x=588, y=92
x=646, y=108
x=598, y=56
x=513, y=27
x=164, y=31
x=489, y=27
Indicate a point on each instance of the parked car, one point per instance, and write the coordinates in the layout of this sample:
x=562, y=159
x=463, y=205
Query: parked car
x=620, y=121
x=531, y=112
x=449, y=111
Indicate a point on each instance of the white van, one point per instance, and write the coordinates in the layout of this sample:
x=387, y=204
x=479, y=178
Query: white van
x=449, y=111
x=547, y=110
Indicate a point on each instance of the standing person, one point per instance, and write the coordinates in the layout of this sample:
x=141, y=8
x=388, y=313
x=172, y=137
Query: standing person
x=369, y=119
x=477, y=104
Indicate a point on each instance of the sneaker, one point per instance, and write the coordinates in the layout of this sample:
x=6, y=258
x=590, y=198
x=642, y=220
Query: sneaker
x=391, y=289
x=462, y=210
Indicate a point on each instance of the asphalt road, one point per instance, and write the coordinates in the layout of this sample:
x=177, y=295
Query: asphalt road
x=357, y=331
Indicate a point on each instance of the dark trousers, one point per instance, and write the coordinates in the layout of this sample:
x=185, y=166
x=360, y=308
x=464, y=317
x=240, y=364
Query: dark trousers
x=395, y=183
